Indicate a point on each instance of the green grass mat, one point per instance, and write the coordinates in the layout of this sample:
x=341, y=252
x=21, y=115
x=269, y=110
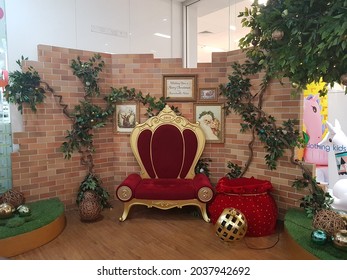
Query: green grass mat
x=300, y=228
x=42, y=213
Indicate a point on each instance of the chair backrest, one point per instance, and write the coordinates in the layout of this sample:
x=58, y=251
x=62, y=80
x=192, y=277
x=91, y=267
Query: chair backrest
x=167, y=146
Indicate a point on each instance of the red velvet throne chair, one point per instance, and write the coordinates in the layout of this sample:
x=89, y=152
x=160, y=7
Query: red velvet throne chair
x=167, y=148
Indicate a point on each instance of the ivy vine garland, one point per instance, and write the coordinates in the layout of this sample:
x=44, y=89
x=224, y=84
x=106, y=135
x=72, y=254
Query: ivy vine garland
x=88, y=73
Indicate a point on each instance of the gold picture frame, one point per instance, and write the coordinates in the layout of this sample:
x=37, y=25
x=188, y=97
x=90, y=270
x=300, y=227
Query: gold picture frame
x=126, y=115
x=208, y=95
x=180, y=87
x=211, y=118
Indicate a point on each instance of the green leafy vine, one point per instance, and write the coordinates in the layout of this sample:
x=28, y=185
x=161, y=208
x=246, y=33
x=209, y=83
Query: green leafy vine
x=88, y=73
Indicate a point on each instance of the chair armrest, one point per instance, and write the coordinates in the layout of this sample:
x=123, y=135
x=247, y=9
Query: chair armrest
x=125, y=190
x=131, y=181
x=203, y=187
x=201, y=180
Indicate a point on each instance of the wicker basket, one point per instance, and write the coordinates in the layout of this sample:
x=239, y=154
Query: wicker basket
x=15, y=198
x=329, y=221
x=89, y=210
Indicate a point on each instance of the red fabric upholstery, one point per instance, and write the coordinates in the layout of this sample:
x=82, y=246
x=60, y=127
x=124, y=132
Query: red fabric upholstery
x=190, y=148
x=143, y=145
x=167, y=162
x=132, y=181
x=201, y=180
x=161, y=161
x=243, y=185
x=166, y=189
x=252, y=198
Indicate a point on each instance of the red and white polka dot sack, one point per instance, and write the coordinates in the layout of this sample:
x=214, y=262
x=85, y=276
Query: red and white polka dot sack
x=252, y=197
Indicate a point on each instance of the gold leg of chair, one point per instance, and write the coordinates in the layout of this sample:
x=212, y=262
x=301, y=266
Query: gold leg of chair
x=204, y=213
x=126, y=209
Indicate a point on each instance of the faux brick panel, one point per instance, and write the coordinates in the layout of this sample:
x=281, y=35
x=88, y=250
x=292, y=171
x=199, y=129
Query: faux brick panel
x=40, y=170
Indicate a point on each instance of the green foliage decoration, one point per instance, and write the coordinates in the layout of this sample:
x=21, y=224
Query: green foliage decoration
x=202, y=166
x=88, y=73
x=123, y=94
x=93, y=183
x=25, y=87
x=277, y=139
x=304, y=41
x=87, y=116
x=235, y=170
x=317, y=199
x=312, y=45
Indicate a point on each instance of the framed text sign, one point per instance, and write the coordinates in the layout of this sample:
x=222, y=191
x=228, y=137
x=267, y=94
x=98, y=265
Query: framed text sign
x=179, y=87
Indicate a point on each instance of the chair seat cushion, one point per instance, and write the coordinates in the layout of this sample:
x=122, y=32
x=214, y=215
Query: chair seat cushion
x=166, y=189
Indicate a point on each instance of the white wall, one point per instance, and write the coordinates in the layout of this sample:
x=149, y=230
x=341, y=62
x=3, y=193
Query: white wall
x=34, y=22
x=117, y=26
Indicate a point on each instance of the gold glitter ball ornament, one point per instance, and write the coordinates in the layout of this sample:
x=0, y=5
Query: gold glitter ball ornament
x=6, y=210
x=231, y=225
x=340, y=239
x=277, y=35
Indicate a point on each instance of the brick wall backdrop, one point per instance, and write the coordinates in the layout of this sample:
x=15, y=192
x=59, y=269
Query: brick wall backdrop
x=40, y=170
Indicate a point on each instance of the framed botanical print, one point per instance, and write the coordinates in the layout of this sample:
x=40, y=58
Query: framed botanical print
x=208, y=95
x=179, y=87
x=211, y=119
x=126, y=116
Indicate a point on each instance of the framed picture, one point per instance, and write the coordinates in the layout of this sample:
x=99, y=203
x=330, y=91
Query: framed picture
x=126, y=116
x=208, y=95
x=179, y=87
x=211, y=119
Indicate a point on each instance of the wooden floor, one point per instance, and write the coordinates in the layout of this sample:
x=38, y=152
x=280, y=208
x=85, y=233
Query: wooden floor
x=153, y=234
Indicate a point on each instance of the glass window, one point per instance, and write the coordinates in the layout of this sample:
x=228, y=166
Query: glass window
x=5, y=125
x=212, y=26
